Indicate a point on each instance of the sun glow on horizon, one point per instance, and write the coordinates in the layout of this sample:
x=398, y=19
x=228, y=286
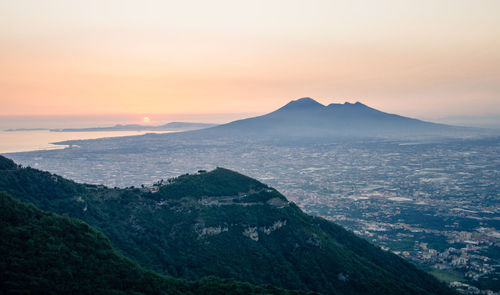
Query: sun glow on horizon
x=416, y=58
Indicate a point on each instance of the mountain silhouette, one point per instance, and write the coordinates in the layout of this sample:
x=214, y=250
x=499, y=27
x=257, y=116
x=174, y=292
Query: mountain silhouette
x=306, y=121
x=306, y=117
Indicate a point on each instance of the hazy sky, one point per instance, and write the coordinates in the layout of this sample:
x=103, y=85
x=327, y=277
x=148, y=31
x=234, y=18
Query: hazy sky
x=417, y=58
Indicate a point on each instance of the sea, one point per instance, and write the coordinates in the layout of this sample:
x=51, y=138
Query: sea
x=33, y=132
x=30, y=140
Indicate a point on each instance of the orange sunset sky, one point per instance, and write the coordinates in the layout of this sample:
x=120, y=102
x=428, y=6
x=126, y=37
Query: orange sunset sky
x=416, y=58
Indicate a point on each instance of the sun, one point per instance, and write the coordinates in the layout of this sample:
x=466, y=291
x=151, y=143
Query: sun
x=146, y=120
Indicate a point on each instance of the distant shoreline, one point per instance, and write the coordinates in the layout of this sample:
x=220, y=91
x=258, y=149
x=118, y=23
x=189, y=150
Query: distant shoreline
x=44, y=140
x=25, y=129
x=173, y=126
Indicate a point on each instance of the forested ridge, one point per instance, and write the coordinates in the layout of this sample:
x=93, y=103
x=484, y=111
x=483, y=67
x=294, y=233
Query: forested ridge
x=224, y=224
x=45, y=253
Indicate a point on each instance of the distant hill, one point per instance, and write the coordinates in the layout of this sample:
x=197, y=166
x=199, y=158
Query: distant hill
x=173, y=126
x=45, y=253
x=306, y=118
x=225, y=224
x=305, y=121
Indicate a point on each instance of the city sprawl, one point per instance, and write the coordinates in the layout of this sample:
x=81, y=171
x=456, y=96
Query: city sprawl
x=434, y=203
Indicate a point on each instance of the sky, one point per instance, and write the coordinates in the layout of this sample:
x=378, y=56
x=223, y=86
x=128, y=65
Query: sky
x=425, y=59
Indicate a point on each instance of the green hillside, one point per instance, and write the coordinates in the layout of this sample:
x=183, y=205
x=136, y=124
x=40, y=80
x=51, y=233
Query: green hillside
x=225, y=224
x=45, y=253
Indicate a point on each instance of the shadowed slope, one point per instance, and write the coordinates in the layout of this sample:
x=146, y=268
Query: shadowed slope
x=225, y=224
x=44, y=253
